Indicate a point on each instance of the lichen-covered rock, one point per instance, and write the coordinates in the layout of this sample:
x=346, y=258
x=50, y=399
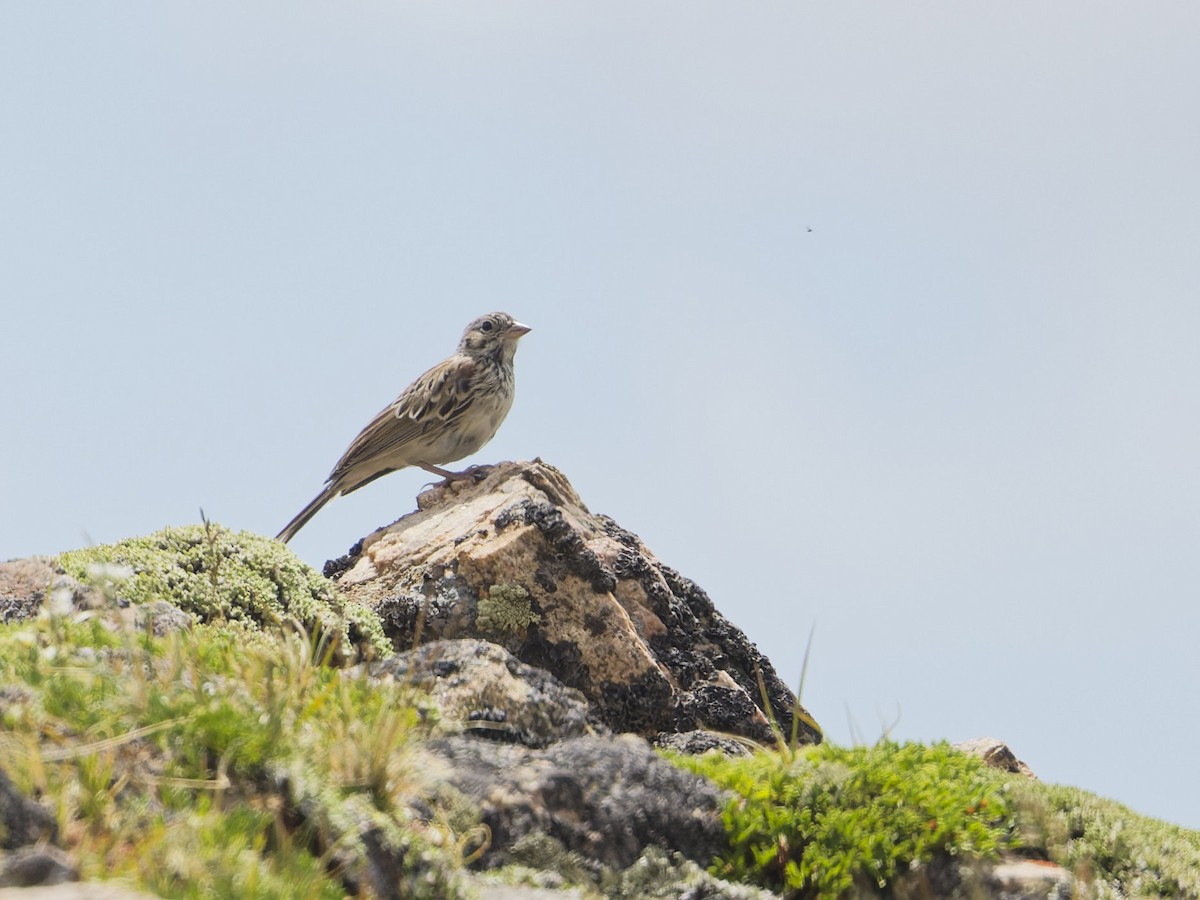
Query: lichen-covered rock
x=606, y=799
x=644, y=645
x=23, y=587
x=655, y=875
x=482, y=688
x=697, y=742
x=507, y=609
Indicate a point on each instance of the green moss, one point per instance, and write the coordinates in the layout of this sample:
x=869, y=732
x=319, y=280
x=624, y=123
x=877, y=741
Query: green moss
x=820, y=820
x=506, y=608
x=830, y=821
x=202, y=764
x=216, y=574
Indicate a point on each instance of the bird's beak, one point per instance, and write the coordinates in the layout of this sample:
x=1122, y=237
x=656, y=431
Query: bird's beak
x=517, y=329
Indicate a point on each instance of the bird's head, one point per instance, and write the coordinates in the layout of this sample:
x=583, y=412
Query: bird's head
x=495, y=335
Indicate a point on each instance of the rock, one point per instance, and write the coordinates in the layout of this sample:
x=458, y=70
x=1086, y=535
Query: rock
x=162, y=618
x=26, y=585
x=606, y=799
x=1031, y=879
x=23, y=586
x=514, y=557
x=655, y=875
x=36, y=865
x=22, y=821
x=485, y=689
x=996, y=754
x=697, y=742
x=661, y=876
x=973, y=878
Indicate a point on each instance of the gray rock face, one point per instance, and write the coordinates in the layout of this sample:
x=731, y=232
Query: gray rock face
x=697, y=742
x=607, y=799
x=517, y=559
x=489, y=692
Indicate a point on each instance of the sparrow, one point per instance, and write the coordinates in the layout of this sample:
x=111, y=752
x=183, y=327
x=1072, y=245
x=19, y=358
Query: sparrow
x=448, y=413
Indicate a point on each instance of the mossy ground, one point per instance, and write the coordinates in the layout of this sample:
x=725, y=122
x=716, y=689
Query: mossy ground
x=201, y=765
x=818, y=821
x=832, y=822
x=216, y=574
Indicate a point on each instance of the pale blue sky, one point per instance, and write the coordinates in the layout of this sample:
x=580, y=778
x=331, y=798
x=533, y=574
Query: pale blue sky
x=956, y=425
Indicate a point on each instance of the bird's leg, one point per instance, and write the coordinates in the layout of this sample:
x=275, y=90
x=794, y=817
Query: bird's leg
x=440, y=472
x=470, y=472
x=446, y=473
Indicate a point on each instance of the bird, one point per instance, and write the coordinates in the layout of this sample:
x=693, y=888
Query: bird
x=448, y=413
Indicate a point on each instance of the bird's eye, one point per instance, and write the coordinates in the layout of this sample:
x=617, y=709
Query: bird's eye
x=487, y=325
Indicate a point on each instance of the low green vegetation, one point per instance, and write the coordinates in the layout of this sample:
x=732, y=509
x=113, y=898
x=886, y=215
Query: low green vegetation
x=219, y=575
x=831, y=822
x=206, y=763
x=821, y=820
x=1118, y=852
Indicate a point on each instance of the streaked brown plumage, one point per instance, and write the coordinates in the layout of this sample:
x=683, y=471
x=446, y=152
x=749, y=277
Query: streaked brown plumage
x=448, y=413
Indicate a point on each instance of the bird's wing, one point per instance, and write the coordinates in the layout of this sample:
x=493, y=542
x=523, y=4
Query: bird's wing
x=430, y=403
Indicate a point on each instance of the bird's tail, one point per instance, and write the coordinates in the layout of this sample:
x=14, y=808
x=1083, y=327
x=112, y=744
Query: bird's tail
x=290, y=529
